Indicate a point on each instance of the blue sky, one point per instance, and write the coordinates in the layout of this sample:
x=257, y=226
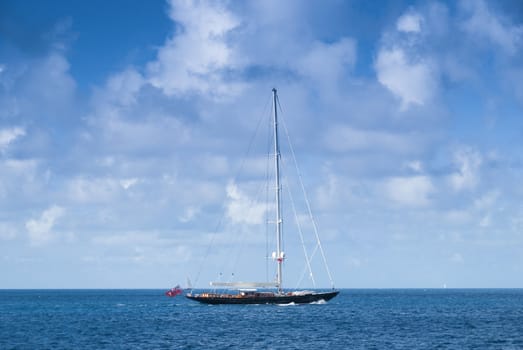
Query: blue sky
x=123, y=124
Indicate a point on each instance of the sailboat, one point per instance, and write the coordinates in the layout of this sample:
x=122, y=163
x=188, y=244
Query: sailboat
x=271, y=292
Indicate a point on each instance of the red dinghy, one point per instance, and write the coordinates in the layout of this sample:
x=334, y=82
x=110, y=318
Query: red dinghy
x=174, y=291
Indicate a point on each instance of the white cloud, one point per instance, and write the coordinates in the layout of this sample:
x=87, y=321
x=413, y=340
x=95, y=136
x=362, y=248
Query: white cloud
x=411, y=191
x=123, y=87
x=485, y=221
x=480, y=211
x=195, y=58
x=40, y=230
x=9, y=135
x=404, y=65
x=326, y=63
x=468, y=162
x=242, y=209
x=414, y=82
x=128, y=183
x=188, y=214
x=409, y=23
x=37, y=89
x=50, y=84
x=486, y=25
x=485, y=204
x=415, y=166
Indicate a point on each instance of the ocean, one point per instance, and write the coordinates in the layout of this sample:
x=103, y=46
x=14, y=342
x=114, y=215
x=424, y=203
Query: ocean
x=356, y=319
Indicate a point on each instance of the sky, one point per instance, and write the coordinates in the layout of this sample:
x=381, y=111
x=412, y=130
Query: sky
x=123, y=126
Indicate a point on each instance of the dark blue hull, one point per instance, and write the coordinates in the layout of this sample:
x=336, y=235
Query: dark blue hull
x=263, y=298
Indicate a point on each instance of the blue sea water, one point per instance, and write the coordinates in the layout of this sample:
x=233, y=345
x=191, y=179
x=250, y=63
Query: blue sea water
x=356, y=319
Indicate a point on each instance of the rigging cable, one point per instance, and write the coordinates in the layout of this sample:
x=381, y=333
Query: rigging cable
x=307, y=202
x=308, y=263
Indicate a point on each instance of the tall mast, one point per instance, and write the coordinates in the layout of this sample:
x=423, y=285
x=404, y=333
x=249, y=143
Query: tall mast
x=279, y=253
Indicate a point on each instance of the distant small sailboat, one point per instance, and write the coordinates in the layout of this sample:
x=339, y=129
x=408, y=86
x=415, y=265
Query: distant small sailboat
x=247, y=292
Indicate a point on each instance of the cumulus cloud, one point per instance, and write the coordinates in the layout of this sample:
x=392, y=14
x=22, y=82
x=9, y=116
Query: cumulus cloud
x=37, y=89
x=242, y=209
x=484, y=24
x=7, y=136
x=415, y=166
x=326, y=63
x=413, y=81
x=485, y=205
x=40, y=230
x=409, y=22
x=197, y=57
x=480, y=212
x=48, y=85
x=128, y=183
x=122, y=88
x=468, y=162
x=411, y=191
x=405, y=64
x=188, y=214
